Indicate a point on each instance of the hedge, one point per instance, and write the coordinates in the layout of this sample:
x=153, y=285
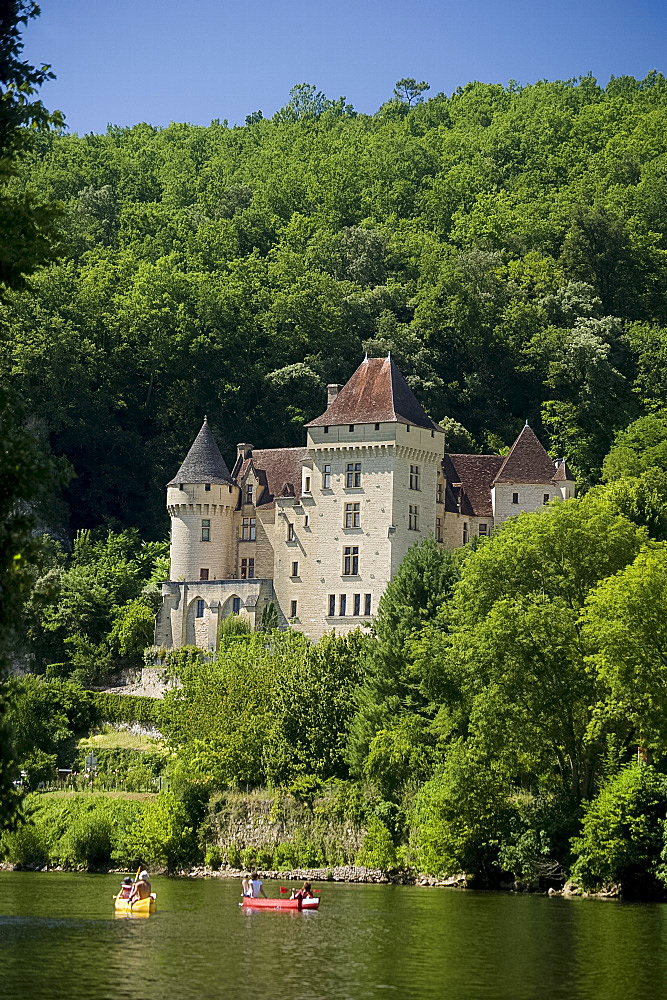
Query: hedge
x=127, y=708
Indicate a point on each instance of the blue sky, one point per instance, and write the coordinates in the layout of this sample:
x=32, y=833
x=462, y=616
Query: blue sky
x=125, y=61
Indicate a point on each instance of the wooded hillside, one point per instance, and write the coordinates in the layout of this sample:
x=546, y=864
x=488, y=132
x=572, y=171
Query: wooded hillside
x=507, y=244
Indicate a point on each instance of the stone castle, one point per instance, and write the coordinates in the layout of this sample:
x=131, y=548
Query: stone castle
x=320, y=531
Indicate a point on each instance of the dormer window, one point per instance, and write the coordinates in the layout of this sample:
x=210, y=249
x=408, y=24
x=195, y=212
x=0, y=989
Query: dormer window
x=248, y=493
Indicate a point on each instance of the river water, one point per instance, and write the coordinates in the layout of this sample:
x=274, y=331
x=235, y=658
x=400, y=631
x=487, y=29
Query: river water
x=59, y=941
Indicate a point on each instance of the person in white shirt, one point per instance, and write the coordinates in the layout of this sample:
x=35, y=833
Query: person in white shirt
x=256, y=883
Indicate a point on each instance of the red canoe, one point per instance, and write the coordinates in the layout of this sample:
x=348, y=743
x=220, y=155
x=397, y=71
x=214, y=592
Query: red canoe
x=281, y=904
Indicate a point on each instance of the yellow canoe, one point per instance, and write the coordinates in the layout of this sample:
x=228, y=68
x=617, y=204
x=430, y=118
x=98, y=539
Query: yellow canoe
x=143, y=906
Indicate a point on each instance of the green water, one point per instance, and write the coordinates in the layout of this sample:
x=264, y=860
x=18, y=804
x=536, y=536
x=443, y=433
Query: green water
x=59, y=939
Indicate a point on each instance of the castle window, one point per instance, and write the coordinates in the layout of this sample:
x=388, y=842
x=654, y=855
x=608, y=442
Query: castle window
x=293, y=609
x=407, y=427
x=295, y=569
x=465, y=534
x=248, y=493
x=351, y=428
x=326, y=478
x=351, y=560
x=414, y=477
x=352, y=515
x=326, y=430
x=206, y=529
x=353, y=476
x=207, y=487
x=483, y=528
x=180, y=486
x=438, y=493
x=515, y=498
x=306, y=484
x=236, y=605
x=332, y=605
x=547, y=497
x=438, y=529
x=203, y=574
x=247, y=569
x=377, y=427
x=357, y=604
x=200, y=608
x=306, y=520
x=342, y=604
x=367, y=604
x=248, y=526
x=413, y=517
x=291, y=537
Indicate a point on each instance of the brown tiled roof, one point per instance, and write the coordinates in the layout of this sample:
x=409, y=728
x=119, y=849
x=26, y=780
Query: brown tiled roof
x=563, y=472
x=203, y=463
x=527, y=461
x=471, y=478
x=275, y=468
x=376, y=393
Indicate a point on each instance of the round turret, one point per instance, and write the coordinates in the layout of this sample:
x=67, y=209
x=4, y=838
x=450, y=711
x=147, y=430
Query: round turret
x=201, y=500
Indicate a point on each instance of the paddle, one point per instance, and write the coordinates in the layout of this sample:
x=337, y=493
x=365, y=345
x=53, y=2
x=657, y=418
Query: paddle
x=136, y=879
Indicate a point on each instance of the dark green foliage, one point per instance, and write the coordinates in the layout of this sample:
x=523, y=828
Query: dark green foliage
x=395, y=684
x=47, y=715
x=127, y=708
x=510, y=278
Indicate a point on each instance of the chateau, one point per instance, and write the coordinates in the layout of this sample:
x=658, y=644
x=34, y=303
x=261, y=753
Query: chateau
x=321, y=530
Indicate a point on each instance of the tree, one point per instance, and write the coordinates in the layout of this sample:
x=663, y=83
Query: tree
x=514, y=640
x=409, y=92
x=641, y=446
x=625, y=629
x=25, y=241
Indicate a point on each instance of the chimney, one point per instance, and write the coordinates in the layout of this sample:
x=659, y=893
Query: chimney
x=244, y=450
x=332, y=392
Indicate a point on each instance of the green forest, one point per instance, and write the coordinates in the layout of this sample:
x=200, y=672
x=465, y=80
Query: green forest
x=505, y=715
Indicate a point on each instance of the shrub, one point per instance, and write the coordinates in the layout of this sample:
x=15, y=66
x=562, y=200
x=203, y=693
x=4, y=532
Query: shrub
x=163, y=838
x=623, y=834
x=127, y=708
x=234, y=859
x=377, y=850
x=26, y=846
x=214, y=858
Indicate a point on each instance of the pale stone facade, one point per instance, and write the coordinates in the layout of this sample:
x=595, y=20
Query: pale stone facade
x=320, y=531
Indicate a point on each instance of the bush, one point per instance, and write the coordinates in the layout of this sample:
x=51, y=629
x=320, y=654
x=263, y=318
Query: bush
x=26, y=846
x=377, y=850
x=622, y=840
x=163, y=838
x=214, y=858
x=127, y=708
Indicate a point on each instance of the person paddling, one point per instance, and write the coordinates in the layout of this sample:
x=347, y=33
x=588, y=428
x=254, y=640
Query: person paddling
x=142, y=888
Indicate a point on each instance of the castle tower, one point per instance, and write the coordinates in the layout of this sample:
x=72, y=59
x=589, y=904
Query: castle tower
x=368, y=492
x=201, y=500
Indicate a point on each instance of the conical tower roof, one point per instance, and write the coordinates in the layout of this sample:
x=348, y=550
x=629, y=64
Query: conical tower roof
x=203, y=463
x=527, y=461
x=563, y=473
x=376, y=393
